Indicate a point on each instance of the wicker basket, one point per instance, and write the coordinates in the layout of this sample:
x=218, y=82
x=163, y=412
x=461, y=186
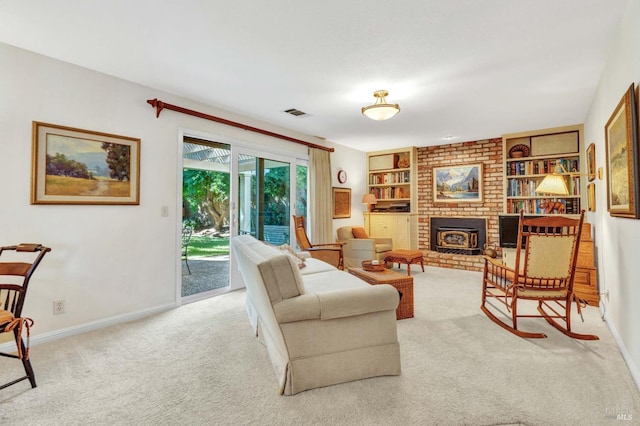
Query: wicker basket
x=368, y=266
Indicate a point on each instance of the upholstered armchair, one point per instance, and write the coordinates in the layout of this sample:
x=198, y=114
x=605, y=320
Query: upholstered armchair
x=359, y=246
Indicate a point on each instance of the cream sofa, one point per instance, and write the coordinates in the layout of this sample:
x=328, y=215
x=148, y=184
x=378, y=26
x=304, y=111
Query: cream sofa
x=320, y=325
x=358, y=249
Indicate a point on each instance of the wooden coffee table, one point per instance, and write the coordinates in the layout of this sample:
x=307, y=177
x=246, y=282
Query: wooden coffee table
x=401, y=282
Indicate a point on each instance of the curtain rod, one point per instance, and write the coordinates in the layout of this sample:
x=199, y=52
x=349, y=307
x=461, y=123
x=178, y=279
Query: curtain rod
x=159, y=106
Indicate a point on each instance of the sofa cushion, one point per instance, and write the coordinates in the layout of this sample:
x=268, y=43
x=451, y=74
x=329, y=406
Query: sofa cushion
x=359, y=232
x=281, y=277
x=313, y=266
x=331, y=281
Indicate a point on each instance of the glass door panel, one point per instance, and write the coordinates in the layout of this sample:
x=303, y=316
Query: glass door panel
x=206, y=193
x=264, y=200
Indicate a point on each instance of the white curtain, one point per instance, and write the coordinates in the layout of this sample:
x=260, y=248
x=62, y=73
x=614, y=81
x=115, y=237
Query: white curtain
x=320, y=222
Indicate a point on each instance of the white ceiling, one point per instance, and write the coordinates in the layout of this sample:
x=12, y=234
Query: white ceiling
x=468, y=69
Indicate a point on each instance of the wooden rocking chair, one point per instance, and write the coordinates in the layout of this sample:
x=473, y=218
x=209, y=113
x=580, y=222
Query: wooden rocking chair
x=331, y=253
x=545, y=263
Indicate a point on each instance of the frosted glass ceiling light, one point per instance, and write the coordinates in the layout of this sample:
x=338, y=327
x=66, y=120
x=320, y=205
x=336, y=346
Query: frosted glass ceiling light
x=380, y=110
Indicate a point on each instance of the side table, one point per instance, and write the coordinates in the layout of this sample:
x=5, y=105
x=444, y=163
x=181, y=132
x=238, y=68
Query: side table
x=402, y=283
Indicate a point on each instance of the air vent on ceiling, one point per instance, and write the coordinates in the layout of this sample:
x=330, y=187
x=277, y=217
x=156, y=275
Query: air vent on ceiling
x=295, y=112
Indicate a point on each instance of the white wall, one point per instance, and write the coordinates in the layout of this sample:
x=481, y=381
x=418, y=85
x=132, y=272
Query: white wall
x=108, y=262
x=616, y=238
x=354, y=163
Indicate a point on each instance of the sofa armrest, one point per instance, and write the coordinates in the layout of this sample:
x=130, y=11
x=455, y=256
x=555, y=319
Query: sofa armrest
x=368, y=244
x=358, y=301
x=337, y=304
x=300, y=308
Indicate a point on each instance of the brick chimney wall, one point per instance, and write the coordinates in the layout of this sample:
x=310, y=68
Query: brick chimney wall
x=489, y=153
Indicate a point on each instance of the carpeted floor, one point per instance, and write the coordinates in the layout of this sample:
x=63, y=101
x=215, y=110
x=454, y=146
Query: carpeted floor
x=200, y=365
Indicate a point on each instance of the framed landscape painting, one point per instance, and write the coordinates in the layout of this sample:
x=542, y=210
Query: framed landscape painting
x=458, y=184
x=75, y=166
x=622, y=158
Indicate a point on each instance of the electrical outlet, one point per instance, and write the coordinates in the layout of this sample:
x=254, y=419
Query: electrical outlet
x=58, y=307
x=606, y=294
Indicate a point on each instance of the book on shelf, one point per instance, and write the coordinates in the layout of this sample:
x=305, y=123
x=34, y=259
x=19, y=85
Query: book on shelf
x=390, y=192
x=391, y=177
x=539, y=167
x=544, y=206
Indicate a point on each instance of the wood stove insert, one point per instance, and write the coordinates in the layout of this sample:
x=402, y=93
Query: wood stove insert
x=458, y=235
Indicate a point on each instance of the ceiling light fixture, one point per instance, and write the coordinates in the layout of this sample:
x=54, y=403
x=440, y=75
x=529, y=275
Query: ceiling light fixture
x=380, y=110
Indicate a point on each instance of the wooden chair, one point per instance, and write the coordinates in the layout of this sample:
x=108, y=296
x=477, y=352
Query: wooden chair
x=330, y=253
x=545, y=263
x=18, y=272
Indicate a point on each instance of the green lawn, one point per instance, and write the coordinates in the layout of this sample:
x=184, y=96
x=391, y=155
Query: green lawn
x=208, y=246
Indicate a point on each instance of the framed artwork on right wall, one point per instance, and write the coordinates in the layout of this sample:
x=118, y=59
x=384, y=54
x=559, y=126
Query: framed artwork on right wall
x=591, y=197
x=591, y=161
x=622, y=158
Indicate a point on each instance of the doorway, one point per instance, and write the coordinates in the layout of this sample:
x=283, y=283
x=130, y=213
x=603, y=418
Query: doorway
x=206, y=189
x=230, y=190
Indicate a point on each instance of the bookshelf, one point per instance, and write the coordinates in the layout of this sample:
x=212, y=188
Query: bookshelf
x=392, y=178
x=540, y=152
x=529, y=157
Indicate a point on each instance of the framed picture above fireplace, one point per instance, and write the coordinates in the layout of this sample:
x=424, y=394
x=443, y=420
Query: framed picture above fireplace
x=458, y=184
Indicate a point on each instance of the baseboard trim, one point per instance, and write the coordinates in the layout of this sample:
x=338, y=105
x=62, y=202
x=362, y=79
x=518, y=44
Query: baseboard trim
x=89, y=326
x=633, y=368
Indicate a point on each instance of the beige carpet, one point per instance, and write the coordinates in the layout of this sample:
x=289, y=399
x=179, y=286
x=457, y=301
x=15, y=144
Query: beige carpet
x=200, y=365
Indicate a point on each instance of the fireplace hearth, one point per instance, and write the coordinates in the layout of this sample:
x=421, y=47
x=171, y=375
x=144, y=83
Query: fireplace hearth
x=458, y=235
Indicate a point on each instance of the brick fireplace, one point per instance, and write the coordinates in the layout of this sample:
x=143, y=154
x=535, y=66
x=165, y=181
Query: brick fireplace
x=489, y=153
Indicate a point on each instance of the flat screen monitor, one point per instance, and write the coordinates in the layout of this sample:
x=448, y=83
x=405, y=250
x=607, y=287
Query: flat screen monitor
x=508, y=229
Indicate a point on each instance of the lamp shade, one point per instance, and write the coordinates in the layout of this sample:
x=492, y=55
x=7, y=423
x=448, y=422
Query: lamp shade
x=380, y=110
x=554, y=184
x=369, y=199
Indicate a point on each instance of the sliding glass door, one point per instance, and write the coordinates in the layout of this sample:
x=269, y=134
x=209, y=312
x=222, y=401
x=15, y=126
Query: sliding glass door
x=231, y=190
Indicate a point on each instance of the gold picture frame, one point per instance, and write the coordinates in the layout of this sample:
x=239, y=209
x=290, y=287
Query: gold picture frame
x=77, y=166
x=622, y=158
x=591, y=197
x=458, y=184
x=341, y=203
x=591, y=161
